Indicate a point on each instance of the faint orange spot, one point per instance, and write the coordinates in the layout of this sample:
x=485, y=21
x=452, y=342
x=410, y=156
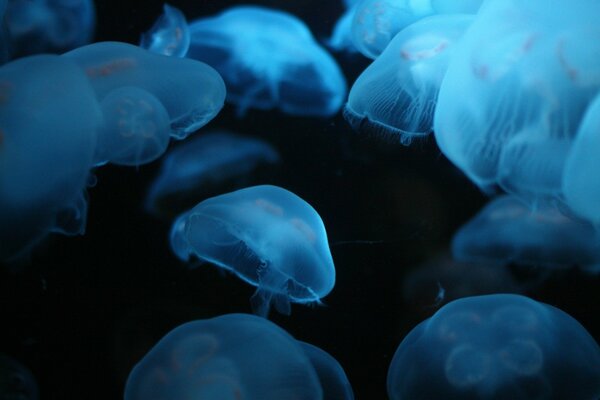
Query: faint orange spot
x=304, y=228
x=269, y=207
x=425, y=53
x=571, y=71
x=111, y=67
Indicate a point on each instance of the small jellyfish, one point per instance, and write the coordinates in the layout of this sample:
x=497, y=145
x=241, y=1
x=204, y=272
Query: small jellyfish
x=16, y=381
x=499, y=346
x=170, y=35
x=209, y=164
x=234, y=356
x=192, y=96
x=331, y=375
x=396, y=95
x=267, y=236
x=269, y=59
x=507, y=230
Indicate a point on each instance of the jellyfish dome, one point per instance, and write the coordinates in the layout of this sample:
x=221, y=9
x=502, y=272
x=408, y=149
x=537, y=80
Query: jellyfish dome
x=268, y=237
x=269, y=59
x=170, y=35
x=499, y=346
x=234, y=356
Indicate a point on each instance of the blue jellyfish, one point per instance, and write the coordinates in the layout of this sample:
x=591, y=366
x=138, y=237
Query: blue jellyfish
x=331, y=375
x=341, y=37
x=499, y=346
x=234, y=356
x=213, y=159
x=16, y=381
x=49, y=117
x=267, y=236
x=40, y=26
x=524, y=83
x=580, y=183
x=396, y=95
x=170, y=35
x=269, y=59
x=507, y=230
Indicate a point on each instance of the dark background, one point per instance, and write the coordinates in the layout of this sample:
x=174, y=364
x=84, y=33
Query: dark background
x=88, y=308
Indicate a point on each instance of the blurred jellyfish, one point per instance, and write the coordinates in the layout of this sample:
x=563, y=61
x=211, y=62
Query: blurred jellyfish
x=341, y=37
x=506, y=230
x=170, y=35
x=267, y=236
x=234, y=356
x=49, y=117
x=269, y=59
x=191, y=171
x=496, y=346
x=16, y=381
x=40, y=26
x=396, y=95
x=331, y=375
x=525, y=73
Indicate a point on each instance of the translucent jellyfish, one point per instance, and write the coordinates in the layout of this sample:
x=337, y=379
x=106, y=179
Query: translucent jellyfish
x=49, y=117
x=234, y=356
x=191, y=97
x=341, y=37
x=397, y=93
x=170, y=35
x=376, y=22
x=193, y=170
x=500, y=346
x=39, y=26
x=269, y=59
x=507, y=230
x=16, y=381
x=331, y=375
x=581, y=186
x=525, y=73
x=267, y=236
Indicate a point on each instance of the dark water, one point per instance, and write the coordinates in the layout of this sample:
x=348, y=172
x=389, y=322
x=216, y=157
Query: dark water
x=89, y=307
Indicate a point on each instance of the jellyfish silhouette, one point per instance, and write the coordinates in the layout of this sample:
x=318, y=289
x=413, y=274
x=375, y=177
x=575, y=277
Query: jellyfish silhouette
x=269, y=59
x=267, y=236
x=499, y=346
x=170, y=34
x=16, y=381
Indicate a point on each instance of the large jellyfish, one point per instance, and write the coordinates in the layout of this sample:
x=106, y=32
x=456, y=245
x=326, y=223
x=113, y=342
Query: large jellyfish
x=507, y=230
x=170, y=34
x=525, y=73
x=268, y=237
x=213, y=159
x=499, y=346
x=234, y=356
x=269, y=59
x=397, y=93
x=331, y=375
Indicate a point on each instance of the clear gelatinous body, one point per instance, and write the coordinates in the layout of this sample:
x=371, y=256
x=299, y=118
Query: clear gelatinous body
x=170, y=34
x=331, y=375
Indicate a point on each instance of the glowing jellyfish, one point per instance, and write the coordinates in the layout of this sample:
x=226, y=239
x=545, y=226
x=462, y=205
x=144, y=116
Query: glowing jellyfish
x=269, y=59
x=396, y=95
x=49, y=117
x=16, y=381
x=499, y=346
x=170, y=35
x=524, y=73
x=201, y=164
x=507, y=230
x=341, y=37
x=267, y=236
x=331, y=375
x=39, y=26
x=234, y=356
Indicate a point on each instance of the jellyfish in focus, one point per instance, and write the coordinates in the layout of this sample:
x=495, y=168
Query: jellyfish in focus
x=169, y=36
x=331, y=375
x=269, y=59
x=267, y=236
x=16, y=381
x=220, y=159
x=507, y=230
x=396, y=95
x=499, y=346
x=234, y=356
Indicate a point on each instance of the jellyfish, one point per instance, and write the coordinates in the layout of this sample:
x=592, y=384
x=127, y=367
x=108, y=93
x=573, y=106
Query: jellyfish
x=331, y=375
x=233, y=356
x=396, y=95
x=341, y=37
x=205, y=164
x=267, y=236
x=16, y=381
x=269, y=59
x=499, y=346
x=524, y=72
x=170, y=35
x=507, y=230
